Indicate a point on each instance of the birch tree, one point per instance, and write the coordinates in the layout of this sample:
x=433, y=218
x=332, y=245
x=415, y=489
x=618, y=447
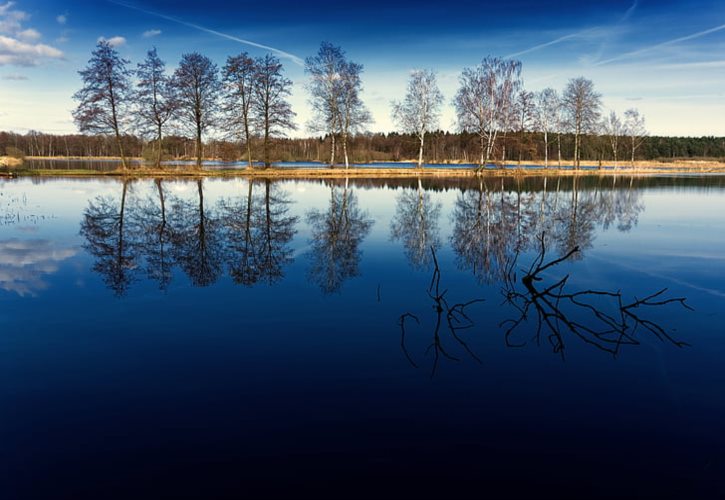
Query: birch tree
x=419, y=112
x=635, y=129
x=485, y=99
x=197, y=87
x=354, y=115
x=271, y=112
x=612, y=127
x=546, y=113
x=155, y=102
x=582, y=108
x=325, y=70
x=238, y=76
x=104, y=100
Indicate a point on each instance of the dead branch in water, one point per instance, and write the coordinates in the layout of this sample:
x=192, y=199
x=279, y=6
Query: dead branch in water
x=456, y=319
x=608, y=323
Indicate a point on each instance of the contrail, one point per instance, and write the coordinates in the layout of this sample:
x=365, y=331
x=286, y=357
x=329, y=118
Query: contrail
x=662, y=44
x=281, y=53
x=548, y=44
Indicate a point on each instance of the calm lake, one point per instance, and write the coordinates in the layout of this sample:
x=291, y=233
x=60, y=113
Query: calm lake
x=363, y=338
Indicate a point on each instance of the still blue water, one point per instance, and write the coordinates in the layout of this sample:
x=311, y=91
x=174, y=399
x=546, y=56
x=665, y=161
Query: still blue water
x=184, y=338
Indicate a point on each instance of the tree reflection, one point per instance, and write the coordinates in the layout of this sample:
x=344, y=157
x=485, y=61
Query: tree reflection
x=153, y=236
x=196, y=239
x=416, y=224
x=492, y=224
x=104, y=228
x=257, y=232
x=481, y=235
x=336, y=237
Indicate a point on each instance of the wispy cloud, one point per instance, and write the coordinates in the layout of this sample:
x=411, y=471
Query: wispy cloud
x=14, y=77
x=651, y=48
x=151, y=33
x=114, y=41
x=62, y=18
x=688, y=66
x=281, y=53
x=19, y=45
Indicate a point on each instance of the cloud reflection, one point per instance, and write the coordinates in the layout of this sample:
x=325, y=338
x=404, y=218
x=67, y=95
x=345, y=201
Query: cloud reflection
x=24, y=264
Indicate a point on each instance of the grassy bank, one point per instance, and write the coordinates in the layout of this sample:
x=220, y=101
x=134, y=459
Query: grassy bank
x=10, y=162
x=16, y=168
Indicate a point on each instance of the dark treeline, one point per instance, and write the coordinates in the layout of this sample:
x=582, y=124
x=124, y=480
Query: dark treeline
x=443, y=147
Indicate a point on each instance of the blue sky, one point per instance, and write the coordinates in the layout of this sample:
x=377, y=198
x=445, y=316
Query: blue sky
x=665, y=57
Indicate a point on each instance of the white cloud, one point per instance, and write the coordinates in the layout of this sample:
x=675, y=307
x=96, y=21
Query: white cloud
x=29, y=35
x=10, y=20
x=19, y=45
x=14, y=77
x=114, y=41
x=62, y=18
x=20, y=53
x=151, y=33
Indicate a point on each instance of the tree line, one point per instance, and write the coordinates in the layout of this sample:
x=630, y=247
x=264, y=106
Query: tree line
x=151, y=112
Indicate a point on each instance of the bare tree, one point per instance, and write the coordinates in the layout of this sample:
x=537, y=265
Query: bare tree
x=612, y=127
x=546, y=112
x=270, y=109
x=155, y=102
x=419, y=112
x=582, y=108
x=238, y=75
x=634, y=127
x=106, y=95
x=485, y=99
x=353, y=113
x=325, y=70
x=197, y=86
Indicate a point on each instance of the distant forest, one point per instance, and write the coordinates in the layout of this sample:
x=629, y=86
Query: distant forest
x=442, y=147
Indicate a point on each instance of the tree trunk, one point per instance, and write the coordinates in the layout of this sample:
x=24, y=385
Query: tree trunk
x=332, y=151
x=344, y=149
x=158, y=141
x=124, y=163
x=420, y=151
x=558, y=144
x=482, y=163
x=199, y=148
x=249, y=152
x=546, y=149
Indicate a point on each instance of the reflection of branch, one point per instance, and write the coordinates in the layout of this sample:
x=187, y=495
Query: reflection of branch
x=557, y=310
x=456, y=319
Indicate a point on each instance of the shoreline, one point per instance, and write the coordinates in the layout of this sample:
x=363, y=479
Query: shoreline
x=286, y=173
x=16, y=169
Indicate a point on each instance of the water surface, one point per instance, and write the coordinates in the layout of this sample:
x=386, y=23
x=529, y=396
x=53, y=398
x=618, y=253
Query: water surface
x=363, y=337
